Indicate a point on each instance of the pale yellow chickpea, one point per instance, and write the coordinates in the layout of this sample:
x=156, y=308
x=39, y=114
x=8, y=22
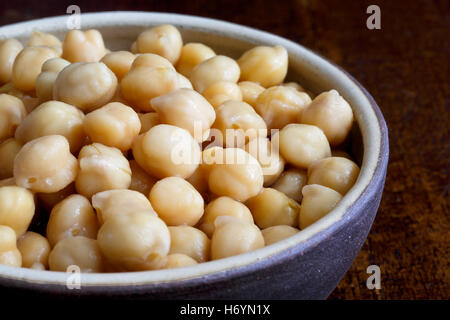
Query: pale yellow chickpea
x=141, y=181
x=38, y=38
x=119, y=62
x=53, y=118
x=265, y=65
x=12, y=113
x=114, y=125
x=223, y=206
x=192, y=54
x=330, y=112
x=28, y=64
x=280, y=106
x=188, y=207
x=148, y=121
x=87, y=86
x=222, y=91
x=238, y=123
x=9, y=49
x=302, y=144
x=277, y=233
x=199, y=180
x=167, y=150
x=164, y=40
x=101, y=168
x=212, y=70
x=134, y=241
x=250, y=91
x=291, y=183
x=83, y=46
x=178, y=260
x=337, y=173
x=9, y=254
x=76, y=251
x=189, y=241
x=268, y=157
x=16, y=208
x=233, y=236
x=35, y=250
x=187, y=109
x=46, y=79
x=272, y=207
x=49, y=200
x=8, y=151
x=73, y=216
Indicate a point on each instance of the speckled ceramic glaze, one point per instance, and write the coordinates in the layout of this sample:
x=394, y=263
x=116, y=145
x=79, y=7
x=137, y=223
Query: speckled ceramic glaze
x=308, y=265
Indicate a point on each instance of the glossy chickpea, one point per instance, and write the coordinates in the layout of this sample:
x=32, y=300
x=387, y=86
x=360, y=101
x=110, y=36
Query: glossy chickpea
x=16, y=208
x=119, y=62
x=46, y=79
x=35, y=250
x=148, y=121
x=49, y=200
x=9, y=254
x=83, y=46
x=141, y=181
x=9, y=49
x=222, y=91
x=291, y=183
x=192, y=54
x=178, y=260
x=163, y=40
x=12, y=113
x=277, y=233
x=189, y=241
x=265, y=65
x=8, y=151
x=101, y=168
x=38, y=38
x=250, y=91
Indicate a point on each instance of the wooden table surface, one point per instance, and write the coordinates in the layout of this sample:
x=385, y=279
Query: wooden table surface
x=405, y=66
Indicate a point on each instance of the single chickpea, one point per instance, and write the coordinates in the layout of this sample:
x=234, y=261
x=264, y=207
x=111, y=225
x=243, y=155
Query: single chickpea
x=34, y=249
x=223, y=206
x=87, y=86
x=53, y=118
x=9, y=49
x=187, y=109
x=101, y=168
x=277, y=233
x=280, y=106
x=330, y=112
x=49, y=200
x=12, y=113
x=148, y=121
x=212, y=70
x=178, y=260
x=119, y=62
x=87, y=46
x=337, y=173
x=73, y=216
x=189, y=241
x=9, y=254
x=46, y=79
x=250, y=91
x=265, y=65
x=291, y=183
x=167, y=150
x=45, y=164
x=141, y=181
x=16, y=208
x=199, y=180
x=8, y=151
x=222, y=91
x=79, y=251
x=192, y=54
x=164, y=40
x=317, y=202
x=233, y=236
x=38, y=38
x=302, y=144
x=134, y=241
x=186, y=210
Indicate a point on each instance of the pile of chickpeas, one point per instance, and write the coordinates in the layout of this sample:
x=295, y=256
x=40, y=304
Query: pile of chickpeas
x=164, y=156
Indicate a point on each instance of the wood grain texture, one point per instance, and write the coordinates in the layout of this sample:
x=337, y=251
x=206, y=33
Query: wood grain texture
x=405, y=66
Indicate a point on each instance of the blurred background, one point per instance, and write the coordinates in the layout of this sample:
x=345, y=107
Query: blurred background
x=405, y=66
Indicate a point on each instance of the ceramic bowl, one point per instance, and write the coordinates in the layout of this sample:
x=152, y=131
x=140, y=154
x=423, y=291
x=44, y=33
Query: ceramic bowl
x=308, y=265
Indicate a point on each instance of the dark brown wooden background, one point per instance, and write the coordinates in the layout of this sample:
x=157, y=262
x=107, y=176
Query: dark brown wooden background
x=405, y=66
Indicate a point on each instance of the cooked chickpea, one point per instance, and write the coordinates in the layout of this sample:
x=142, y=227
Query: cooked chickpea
x=46, y=79
x=222, y=91
x=189, y=241
x=141, y=181
x=148, y=121
x=8, y=151
x=167, y=150
x=73, y=216
x=233, y=236
x=250, y=91
x=164, y=40
x=192, y=54
x=317, y=202
x=265, y=65
x=178, y=260
x=87, y=46
x=9, y=49
x=16, y=208
x=34, y=249
x=45, y=164
x=12, y=113
x=223, y=206
x=79, y=251
x=187, y=109
x=101, y=168
x=119, y=62
x=38, y=38
x=134, y=241
x=49, y=200
x=87, y=86
x=212, y=70
x=291, y=183
x=9, y=254
x=277, y=233
x=199, y=180
x=54, y=118
x=302, y=144
x=279, y=106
